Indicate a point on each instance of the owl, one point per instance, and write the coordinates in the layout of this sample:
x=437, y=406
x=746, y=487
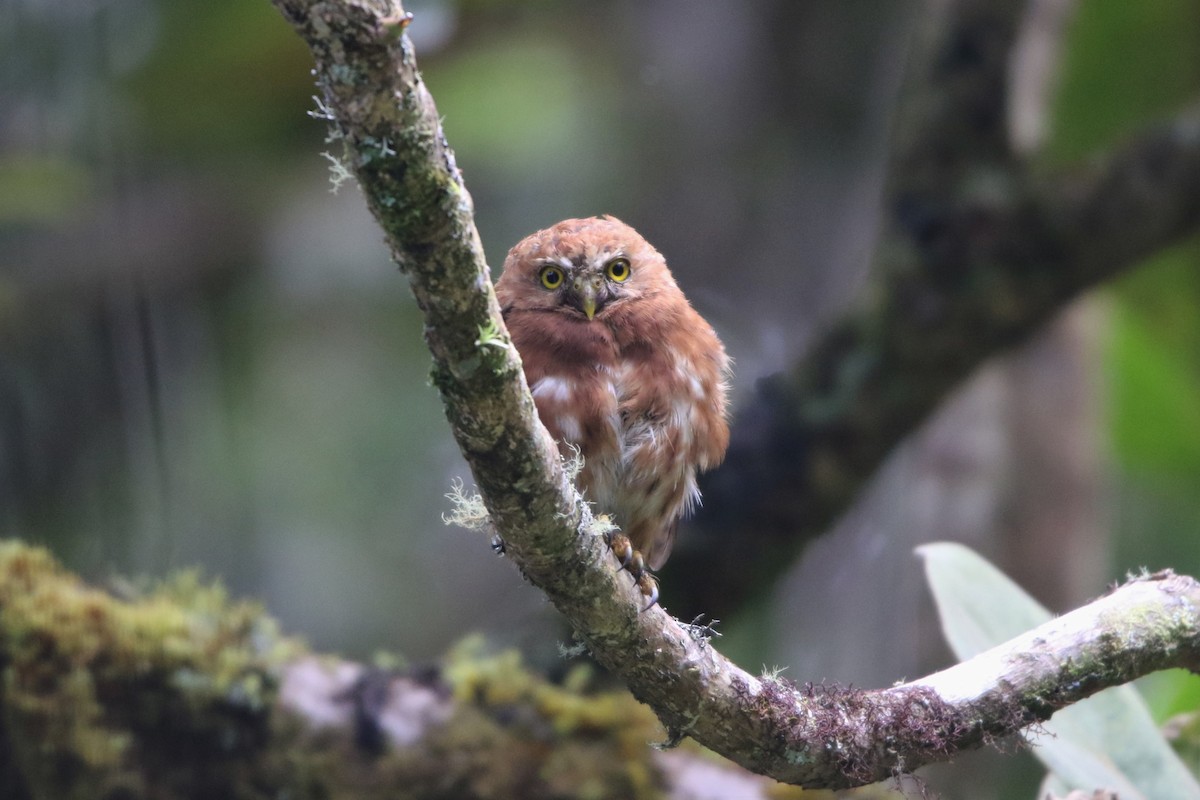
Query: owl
x=621, y=367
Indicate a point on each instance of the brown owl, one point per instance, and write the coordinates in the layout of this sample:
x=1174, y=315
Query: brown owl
x=621, y=366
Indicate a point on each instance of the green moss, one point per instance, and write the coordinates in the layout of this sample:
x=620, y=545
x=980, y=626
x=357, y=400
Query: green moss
x=174, y=695
x=98, y=693
x=563, y=740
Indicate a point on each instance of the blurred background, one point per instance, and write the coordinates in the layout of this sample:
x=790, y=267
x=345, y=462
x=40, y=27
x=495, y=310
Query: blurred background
x=207, y=359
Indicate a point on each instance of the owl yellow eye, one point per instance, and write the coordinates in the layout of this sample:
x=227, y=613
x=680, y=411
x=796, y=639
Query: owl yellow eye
x=618, y=270
x=552, y=277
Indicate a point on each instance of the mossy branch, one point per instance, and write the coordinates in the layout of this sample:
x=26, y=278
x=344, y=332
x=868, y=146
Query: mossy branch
x=179, y=693
x=812, y=737
x=166, y=697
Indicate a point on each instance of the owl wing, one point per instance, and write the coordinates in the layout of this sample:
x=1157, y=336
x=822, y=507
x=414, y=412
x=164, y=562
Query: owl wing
x=661, y=545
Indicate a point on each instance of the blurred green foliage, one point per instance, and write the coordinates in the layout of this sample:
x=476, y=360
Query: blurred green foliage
x=1124, y=64
x=527, y=110
x=37, y=190
x=1155, y=366
x=1127, y=65
x=232, y=77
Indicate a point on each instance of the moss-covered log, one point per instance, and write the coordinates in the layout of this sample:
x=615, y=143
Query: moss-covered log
x=167, y=696
x=181, y=693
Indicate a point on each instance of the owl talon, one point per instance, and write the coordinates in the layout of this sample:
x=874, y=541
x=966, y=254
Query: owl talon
x=648, y=585
x=636, y=566
x=621, y=546
x=643, y=579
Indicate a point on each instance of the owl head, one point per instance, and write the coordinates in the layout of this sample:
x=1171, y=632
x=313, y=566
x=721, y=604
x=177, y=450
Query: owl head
x=583, y=268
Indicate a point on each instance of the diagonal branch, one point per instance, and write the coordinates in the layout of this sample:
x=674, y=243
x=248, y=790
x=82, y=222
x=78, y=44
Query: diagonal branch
x=816, y=737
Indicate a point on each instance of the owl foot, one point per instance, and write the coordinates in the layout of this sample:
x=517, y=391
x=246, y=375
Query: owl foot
x=648, y=585
x=621, y=546
x=633, y=563
x=644, y=579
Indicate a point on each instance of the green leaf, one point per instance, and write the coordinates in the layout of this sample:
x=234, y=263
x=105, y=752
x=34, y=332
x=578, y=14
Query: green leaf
x=1107, y=741
x=1186, y=737
x=1154, y=380
x=1125, y=64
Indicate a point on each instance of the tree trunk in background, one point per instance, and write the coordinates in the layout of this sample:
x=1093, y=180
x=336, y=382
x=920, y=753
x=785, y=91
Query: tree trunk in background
x=1011, y=466
x=780, y=176
x=1054, y=534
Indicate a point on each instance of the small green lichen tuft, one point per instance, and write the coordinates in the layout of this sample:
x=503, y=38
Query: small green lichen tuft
x=573, y=464
x=491, y=336
x=567, y=652
x=338, y=173
x=600, y=525
x=771, y=673
x=468, y=509
x=342, y=73
x=322, y=112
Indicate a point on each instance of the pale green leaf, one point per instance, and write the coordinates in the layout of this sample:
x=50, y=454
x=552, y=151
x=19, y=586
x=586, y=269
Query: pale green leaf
x=1107, y=741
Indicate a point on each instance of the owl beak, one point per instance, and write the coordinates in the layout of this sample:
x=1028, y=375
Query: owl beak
x=587, y=289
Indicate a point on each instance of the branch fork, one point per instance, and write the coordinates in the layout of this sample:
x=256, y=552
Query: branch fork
x=811, y=736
